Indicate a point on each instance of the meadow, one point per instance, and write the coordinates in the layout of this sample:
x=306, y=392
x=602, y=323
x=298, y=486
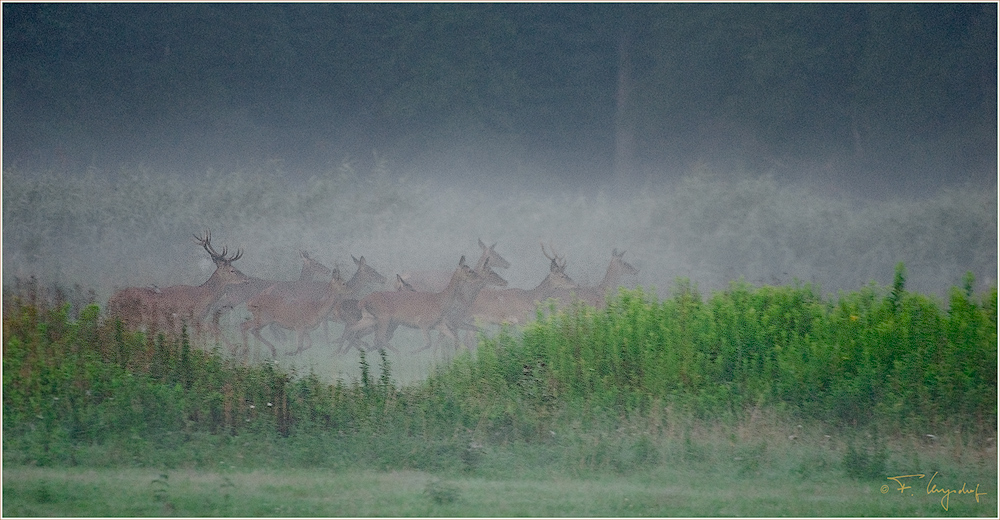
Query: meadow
x=781, y=353
x=754, y=401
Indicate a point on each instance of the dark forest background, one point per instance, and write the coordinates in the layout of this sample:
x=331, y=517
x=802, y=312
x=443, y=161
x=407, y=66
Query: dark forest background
x=866, y=98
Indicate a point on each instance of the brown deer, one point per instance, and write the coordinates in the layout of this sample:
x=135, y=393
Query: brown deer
x=169, y=308
x=517, y=306
x=346, y=309
x=383, y=311
x=435, y=281
x=234, y=295
x=595, y=296
x=289, y=305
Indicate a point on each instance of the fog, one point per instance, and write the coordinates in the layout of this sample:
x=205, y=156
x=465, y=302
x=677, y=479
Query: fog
x=709, y=228
x=818, y=143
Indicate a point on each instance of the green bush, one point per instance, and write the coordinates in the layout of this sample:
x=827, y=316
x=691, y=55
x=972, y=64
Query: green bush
x=588, y=388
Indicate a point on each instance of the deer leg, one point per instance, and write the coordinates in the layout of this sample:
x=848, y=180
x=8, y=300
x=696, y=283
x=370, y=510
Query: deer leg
x=386, y=328
x=427, y=336
x=255, y=328
x=304, y=337
x=452, y=333
x=243, y=332
x=354, y=332
x=392, y=332
x=274, y=350
x=277, y=333
x=381, y=334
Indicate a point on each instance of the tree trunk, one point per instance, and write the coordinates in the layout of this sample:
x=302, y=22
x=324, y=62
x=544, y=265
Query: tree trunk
x=624, y=160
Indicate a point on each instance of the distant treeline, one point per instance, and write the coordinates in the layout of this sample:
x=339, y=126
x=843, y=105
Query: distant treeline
x=908, y=88
x=879, y=357
x=136, y=230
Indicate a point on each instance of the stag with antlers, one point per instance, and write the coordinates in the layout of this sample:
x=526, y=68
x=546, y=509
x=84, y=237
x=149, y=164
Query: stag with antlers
x=235, y=295
x=171, y=308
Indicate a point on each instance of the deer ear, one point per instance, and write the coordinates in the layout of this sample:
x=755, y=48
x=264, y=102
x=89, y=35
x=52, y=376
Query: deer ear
x=481, y=244
x=461, y=261
x=356, y=261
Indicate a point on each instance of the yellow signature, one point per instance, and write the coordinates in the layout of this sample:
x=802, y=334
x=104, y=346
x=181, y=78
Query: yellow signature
x=933, y=488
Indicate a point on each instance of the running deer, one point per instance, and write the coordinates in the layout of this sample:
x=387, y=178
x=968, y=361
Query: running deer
x=234, y=295
x=289, y=305
x=346, y=310
x=596, y=296
x=435, y=281
x=382, y=312
x=170, y=308
x=517, y=306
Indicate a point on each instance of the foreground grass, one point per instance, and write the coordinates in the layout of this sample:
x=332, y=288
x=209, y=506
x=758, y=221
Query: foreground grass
x=667, y=491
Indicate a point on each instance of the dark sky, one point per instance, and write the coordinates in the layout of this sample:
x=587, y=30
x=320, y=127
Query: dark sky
x=878, y=97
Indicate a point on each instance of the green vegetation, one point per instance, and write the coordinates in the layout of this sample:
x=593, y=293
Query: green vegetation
x=679, y=490
x=842, y=89
x=686, y=405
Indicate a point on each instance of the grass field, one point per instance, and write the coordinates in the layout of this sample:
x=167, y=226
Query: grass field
x=667, y=491
x=691, y=469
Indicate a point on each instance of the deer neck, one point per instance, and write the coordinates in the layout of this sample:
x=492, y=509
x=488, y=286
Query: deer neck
x=482, y=259
x=611, y=277
x=214, y=284
x=544, y=289
x=357, y=282
x=329, y=298
x=469, y=290
x=458, y=290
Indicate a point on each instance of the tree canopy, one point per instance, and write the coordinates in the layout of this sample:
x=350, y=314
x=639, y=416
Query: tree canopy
x=905, y=87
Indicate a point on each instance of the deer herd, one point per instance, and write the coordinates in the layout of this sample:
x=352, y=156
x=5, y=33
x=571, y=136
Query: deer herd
x=466, y=299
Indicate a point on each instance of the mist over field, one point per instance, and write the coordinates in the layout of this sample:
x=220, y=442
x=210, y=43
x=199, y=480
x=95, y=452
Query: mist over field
x=136, y=230
x=769, y=142
x=808, y=191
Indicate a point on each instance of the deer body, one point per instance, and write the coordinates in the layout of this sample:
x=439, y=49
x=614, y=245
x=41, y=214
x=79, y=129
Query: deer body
x=235, y=295
x=346, y=309
x=169, y=308
x=382, y=312
x=299, y=306
x=596, y=296
x=516, y=306
x=436, y=281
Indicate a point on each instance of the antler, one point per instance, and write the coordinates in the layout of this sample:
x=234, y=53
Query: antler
x=555, y=258
x=206, y=242
x=546, y=253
